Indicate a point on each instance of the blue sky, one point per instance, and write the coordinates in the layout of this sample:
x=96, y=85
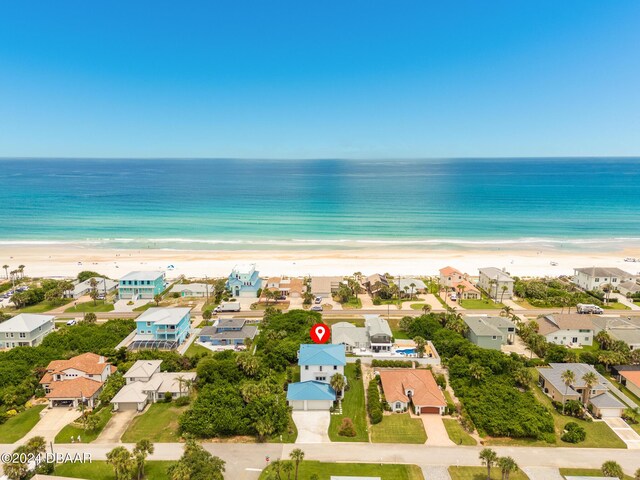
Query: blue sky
x=300, y=79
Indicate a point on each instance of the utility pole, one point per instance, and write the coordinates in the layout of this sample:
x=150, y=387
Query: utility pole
x=206, y=286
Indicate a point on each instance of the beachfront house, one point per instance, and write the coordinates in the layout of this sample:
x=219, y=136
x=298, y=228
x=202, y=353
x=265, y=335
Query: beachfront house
x=452, y=279
x=409, y=285
x=594, y=278
x=490, y=332
x=497, y=283
x=145, y=383
x=195, y=290
x=69, y=383
x=286, y=286
x=141, y=285
x=598, y=399
x=318, y=363
x=104, y=286
x=572, y=330
x=406, y=388
x=228, y=331
x=376, y=282
x=244, y=281
x=161, y=328
x=25, y=330
x=325, y=287
x=375, y=336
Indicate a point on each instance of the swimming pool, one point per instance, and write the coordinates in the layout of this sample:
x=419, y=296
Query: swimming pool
x=406, y=351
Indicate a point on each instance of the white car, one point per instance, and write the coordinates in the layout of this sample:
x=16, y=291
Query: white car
x=71, y=322
x=453, y=297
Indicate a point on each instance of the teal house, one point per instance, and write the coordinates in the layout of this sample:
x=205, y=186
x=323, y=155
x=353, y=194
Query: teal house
x=141, y=285
x=161, y=328
x=244, y=281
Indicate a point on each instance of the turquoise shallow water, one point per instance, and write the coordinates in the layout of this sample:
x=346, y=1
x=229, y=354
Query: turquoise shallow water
x=236, y=204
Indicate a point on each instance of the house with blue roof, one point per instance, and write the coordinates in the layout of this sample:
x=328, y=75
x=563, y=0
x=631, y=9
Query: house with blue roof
x=318, y=363
x=244, y=281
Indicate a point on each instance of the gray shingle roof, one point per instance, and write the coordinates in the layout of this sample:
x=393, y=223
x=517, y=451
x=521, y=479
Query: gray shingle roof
x=495, y=273
x=487, y=326
x=604, y=272
x=25, y=322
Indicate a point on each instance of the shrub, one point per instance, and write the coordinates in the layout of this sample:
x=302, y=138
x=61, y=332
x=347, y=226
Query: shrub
x=168, y=397
x=374, y=405
x=441, y=381
x=175, y=295
x=392, y=363
x=573, y=433
x=358, y=369
x=377, y=301
x=346, y=428
x=182, y=401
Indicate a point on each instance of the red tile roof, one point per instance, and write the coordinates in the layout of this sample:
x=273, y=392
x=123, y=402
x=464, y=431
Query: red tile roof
x=75, y=388
x=425, y=389
x=632, y=376
x=450, y=271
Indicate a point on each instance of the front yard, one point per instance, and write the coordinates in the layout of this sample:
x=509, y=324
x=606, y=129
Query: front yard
x=19, y=425
x=76, y=429
x=324, y=471
x=352, y=407
x=586, y=472
x=398, y=428
x=159, y=424
x=101, y=470
x=484, y=304
x=456, y=433
x=100, y=306
x=480, y=473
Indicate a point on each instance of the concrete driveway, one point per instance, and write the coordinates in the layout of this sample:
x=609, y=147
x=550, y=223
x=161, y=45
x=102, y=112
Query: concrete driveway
x=116, y=426
x=436, y=433
x=313, y=426
x=52, y=420
x=627, y=434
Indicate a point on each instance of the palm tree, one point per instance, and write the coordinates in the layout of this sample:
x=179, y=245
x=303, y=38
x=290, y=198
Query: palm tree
x=337, y=383
x=157, y=298
x=590, y=379
x=477, y=372
x=420, y=344
x=522, y=377
x=406, y=290
x=461, y=289
x=180, y=471
x=507, y=465
x=456, y=324
x=426, y=308
x=21, y=270
x=6, y=270
x=412, y=285
x=121, y=460
x=507, y=310
x=569, y=378
x=612, y=469
x=276, y=466
x=491, y=284
x=93, y=293
x=488, y=458
x=287, y=467
x=297, y=456
x=603, y=338
x=504, y=290
x=142, y=449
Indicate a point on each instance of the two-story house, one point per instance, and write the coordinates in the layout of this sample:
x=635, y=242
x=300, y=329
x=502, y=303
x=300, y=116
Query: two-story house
x=594, y=278
x=145, y=383
x=597, y=398
x=244, y=281
x=318, y=363
x=380, y=336
x=161, y=328
x=453, y=279
x=25, y=330
x=375, y=336
x=497, y=283
x=228, y=331
x=77, y=380
x=490, y=332
x=572, y=330
x=141, y=285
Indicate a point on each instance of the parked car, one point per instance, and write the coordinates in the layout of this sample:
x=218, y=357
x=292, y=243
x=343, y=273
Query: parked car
x=318, y=300
x=71, y=322
x=453, y=297
x=317, y=308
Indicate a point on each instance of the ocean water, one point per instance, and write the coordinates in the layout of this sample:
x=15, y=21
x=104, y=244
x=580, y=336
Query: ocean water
x=271, y=204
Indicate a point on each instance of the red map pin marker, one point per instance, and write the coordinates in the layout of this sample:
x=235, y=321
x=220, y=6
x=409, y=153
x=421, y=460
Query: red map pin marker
x=319, y=333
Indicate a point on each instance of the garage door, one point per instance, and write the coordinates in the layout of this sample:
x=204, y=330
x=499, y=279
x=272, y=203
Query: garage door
x=318, y=405
x=127, y=406
x=297, y=404
x=610, y=412
x=430, y=410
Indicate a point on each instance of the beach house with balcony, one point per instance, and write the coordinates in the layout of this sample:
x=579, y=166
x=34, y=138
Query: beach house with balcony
x=25, y=330
x=453, y=279
x=141, y=285
x=244, y=281
x=573, y=330
x=161, y=328
x=497, y=283
x=594, y=278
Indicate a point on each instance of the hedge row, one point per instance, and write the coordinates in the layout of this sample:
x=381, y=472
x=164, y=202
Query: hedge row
x=392, y=363
x=374, y=405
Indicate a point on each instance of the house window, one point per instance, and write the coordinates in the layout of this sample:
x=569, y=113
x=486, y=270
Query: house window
x=23, y=335
x=335, y=367
x=306, y=367
x=398, y=406
x=494, y=337
x=320, y=367
x=597, y=279
x=321, y=379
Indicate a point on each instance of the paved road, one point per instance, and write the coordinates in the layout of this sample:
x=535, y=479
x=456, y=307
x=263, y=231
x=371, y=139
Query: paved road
x=245, y=460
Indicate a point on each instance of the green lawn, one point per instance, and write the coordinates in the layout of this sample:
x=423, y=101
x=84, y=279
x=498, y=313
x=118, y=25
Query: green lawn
x=324, y=471
x=145, y=307
x=417, y=306
x=101, y=470
x=159, y=424
x=44, y=306
x=395, y=329
x=485, y=303
x=352, y=407
x=353, y=304
x=480, y=473
x=64, y=436
x=356, y=320
x=398, y=428
x=100, y=306
x=615, y=306
x=195, y=349
x=586, y=472
x=599, y=435
x=19, y=425
x=456, y=433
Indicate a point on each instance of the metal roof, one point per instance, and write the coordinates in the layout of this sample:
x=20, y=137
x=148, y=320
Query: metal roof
x=311, y=390
x=312, y=354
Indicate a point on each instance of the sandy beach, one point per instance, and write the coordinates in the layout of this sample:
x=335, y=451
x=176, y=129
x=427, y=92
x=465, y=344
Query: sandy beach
x=68, y=260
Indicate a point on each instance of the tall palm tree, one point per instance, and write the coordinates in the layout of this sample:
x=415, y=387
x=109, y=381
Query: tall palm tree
x=507, y=310
x=297, y=456
x=461, y=289
x=568, y=377
x=603, y=338
x=488, y=458
x=93, y=293
x=589, y=379
x=412, y=285
x=426, y=308
x=287, y=467
x=337, y=383
x=21, y=270
x=276, y=466
x=6, y=270
x=504, y=290
x=507, y=465
x=420, y=344
x=141, y=451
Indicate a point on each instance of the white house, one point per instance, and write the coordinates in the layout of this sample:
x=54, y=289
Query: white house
x=572, y=330
x=318, y=363
x=25, y=330
x=192, y=289
x=594, y=278
x=145, y=383
x=493, y=281
x=103, y=286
